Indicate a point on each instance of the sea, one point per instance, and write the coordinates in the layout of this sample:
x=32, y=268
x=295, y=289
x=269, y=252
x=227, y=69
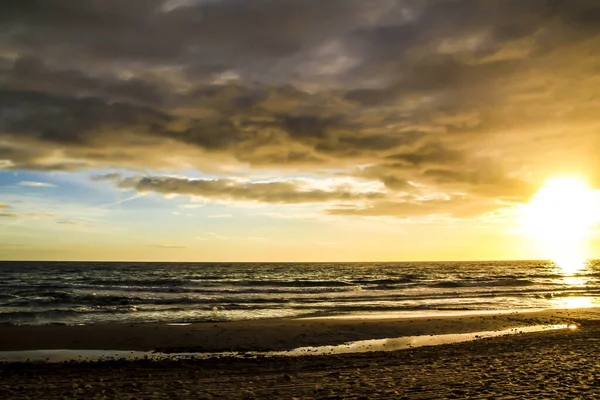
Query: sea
x=33, y=293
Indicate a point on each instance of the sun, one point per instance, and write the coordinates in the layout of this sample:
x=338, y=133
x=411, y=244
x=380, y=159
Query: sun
x=560, y=217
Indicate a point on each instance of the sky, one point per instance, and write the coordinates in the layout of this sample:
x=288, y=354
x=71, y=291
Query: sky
x=291, y=130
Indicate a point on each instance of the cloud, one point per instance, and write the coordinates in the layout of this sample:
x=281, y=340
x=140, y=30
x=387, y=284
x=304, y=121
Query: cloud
x=28, y=215
x=215, y=236
x=72, y=222
x=190, y=206
x=286, y=192
x=483, y=99
x=36, y=184
x=219, y=216
x=299, y=216
x=167, y=246
x=106, y=177
x=457, y=207
x=212, y=236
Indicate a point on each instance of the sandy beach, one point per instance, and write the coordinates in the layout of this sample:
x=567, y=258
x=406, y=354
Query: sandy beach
x=557, y=364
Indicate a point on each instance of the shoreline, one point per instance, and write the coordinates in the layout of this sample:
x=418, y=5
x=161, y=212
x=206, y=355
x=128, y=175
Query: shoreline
x=268, y=335
x=363, y=346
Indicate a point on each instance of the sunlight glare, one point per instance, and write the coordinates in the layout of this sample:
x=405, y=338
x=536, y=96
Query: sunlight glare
x=574, y=302
x=569, y=257
x=574, y=280
x=560, y=217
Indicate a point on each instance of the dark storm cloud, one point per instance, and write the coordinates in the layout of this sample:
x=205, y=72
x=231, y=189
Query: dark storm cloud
x=206, y=35
x=266, y=192
x=71, y=121
x=30, y=73
x=428, y=155
x=458, y=96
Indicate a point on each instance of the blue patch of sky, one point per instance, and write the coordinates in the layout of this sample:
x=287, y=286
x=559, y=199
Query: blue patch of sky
x=78, y=195
x=11, y=179
x=69, y=188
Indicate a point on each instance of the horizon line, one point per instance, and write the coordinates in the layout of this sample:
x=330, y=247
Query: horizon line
x=289, y=262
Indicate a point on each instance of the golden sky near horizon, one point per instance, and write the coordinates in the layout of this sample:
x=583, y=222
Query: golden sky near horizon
x=299, y=130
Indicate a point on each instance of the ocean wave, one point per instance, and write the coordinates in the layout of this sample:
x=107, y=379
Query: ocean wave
x=318, y=295
x=116, y=300
x=483, y=283
x=56, y=313
x=96, y=292
x=136, y=282
x=386, y=281
x=62, y=292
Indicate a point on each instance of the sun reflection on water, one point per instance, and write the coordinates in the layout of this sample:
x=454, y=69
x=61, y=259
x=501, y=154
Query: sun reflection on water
x=570, y=265
x=571, y=268
x=575, y=302
x=573, y=272
x=574, y=280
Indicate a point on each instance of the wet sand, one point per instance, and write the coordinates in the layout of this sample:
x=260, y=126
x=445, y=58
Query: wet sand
x=553, y=364
x=265, y=335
